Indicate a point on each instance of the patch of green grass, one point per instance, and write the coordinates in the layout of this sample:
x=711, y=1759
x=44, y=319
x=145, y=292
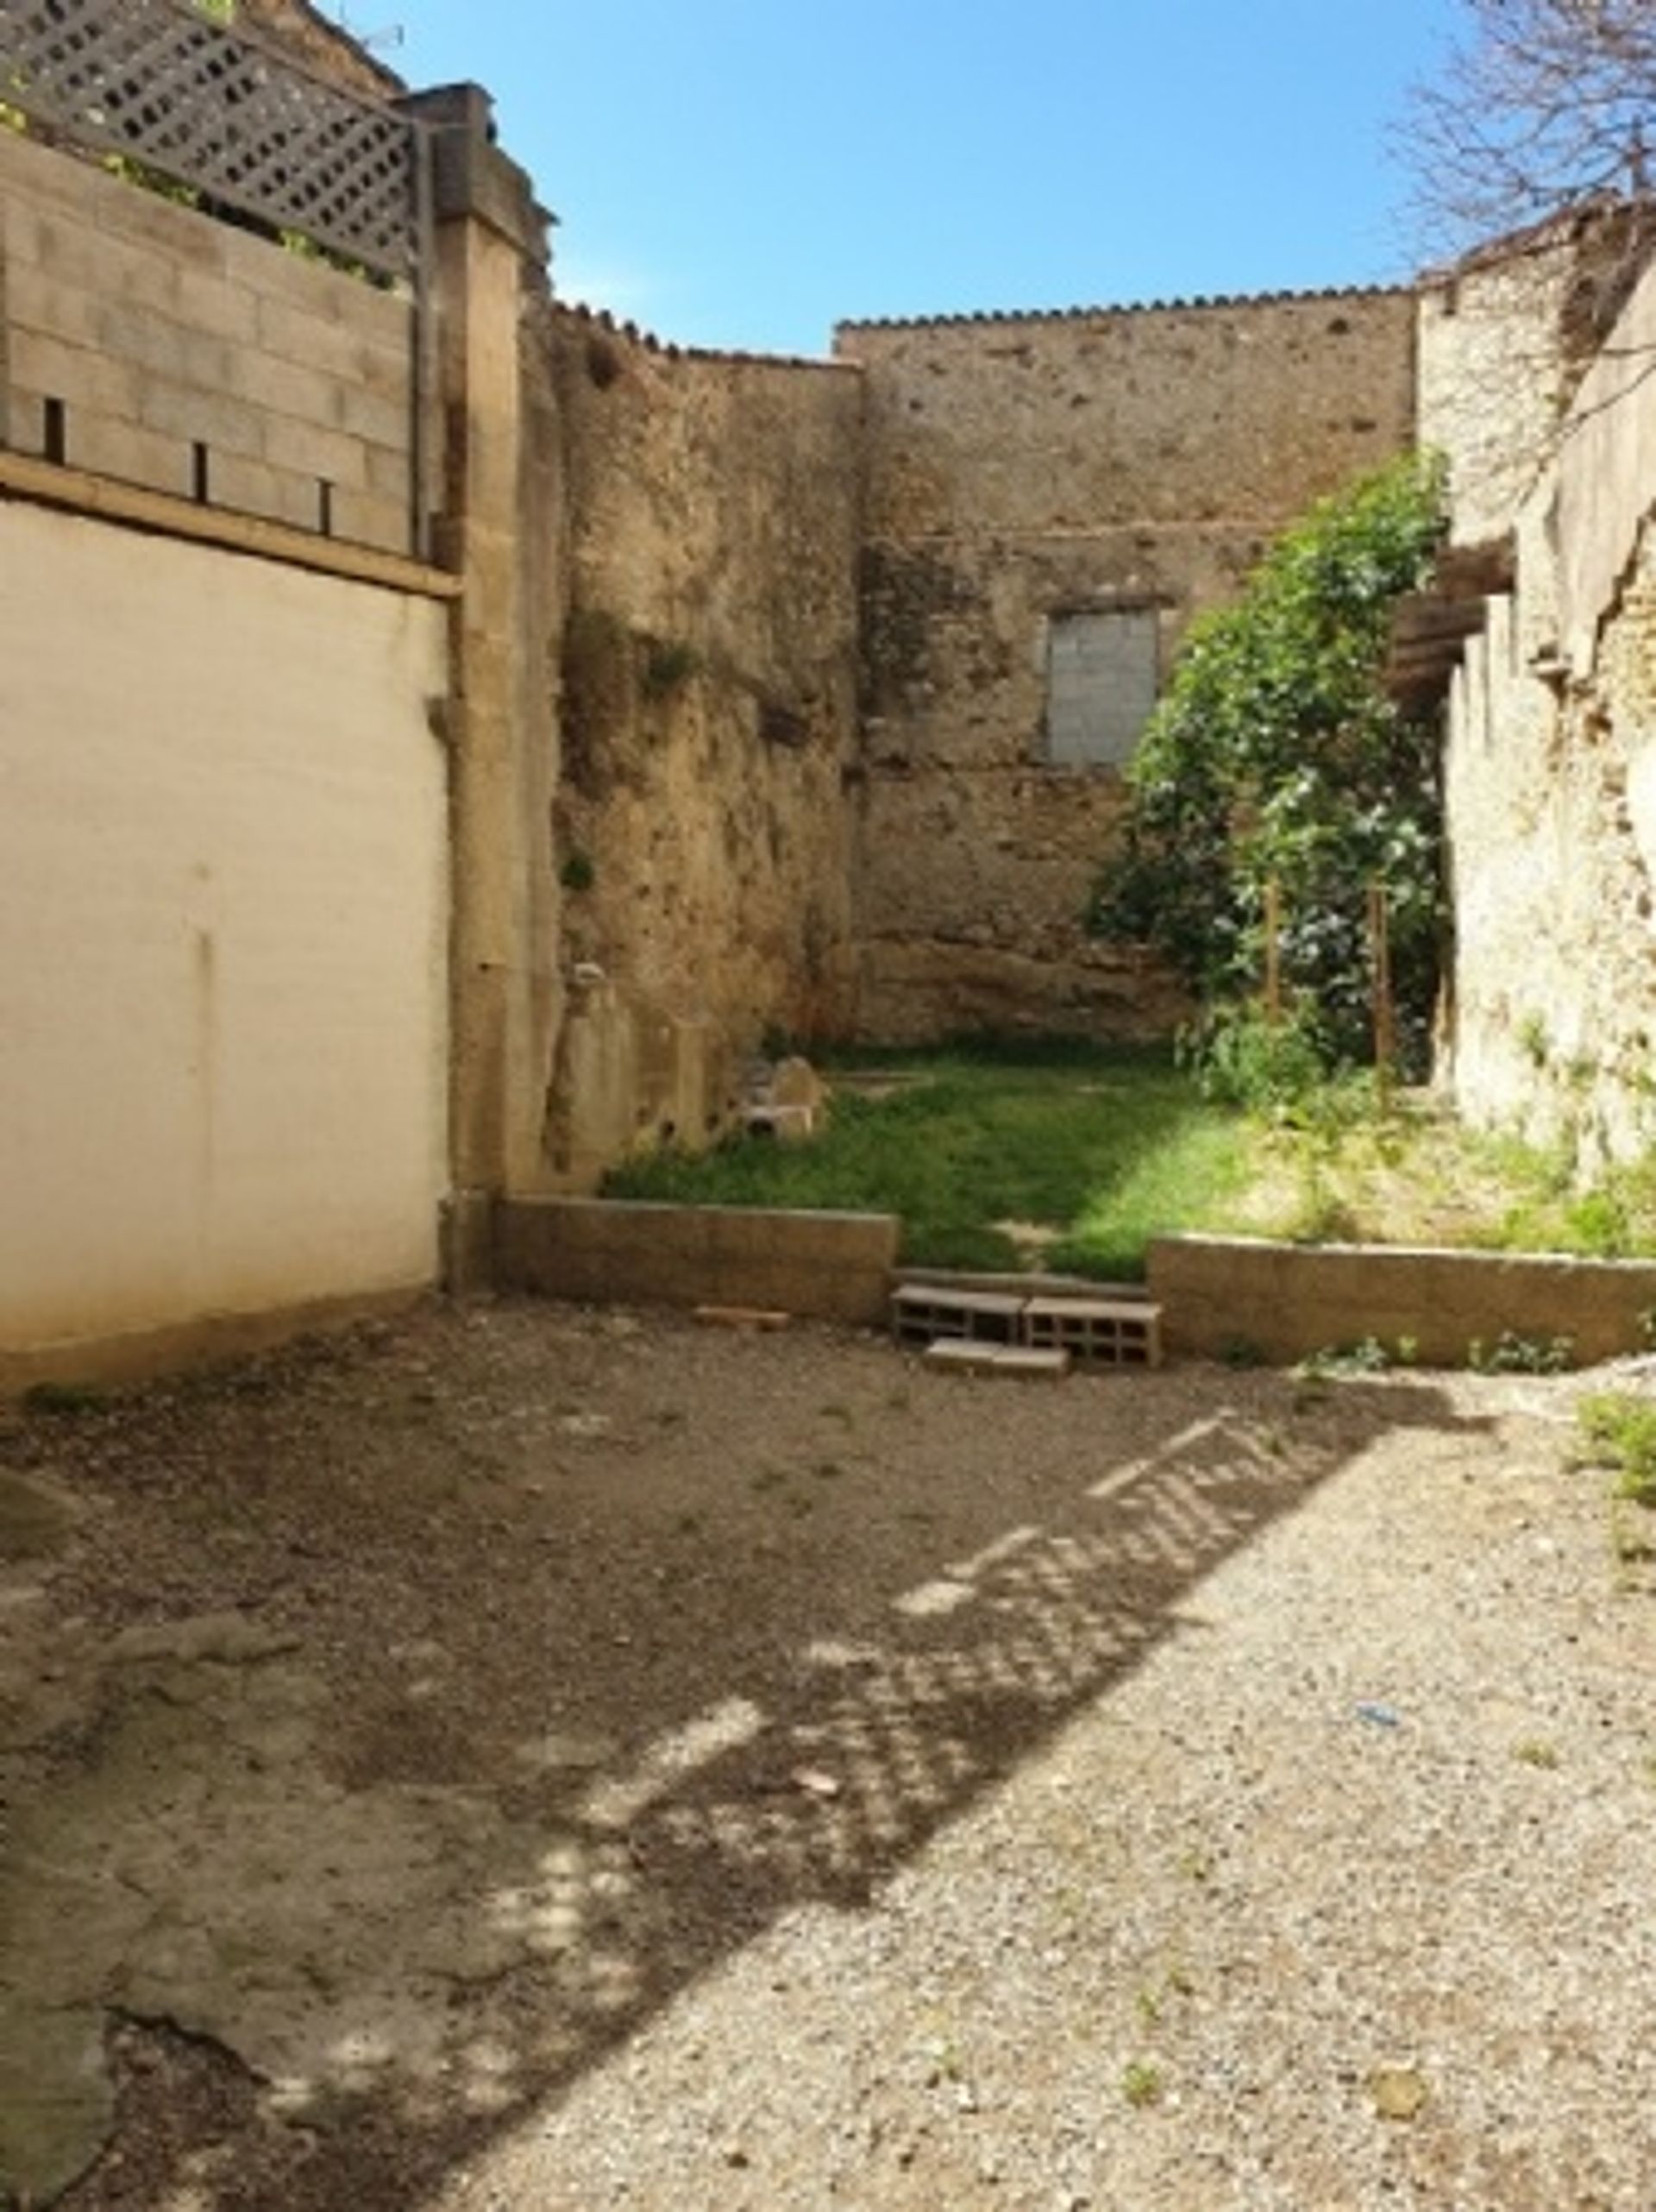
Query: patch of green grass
x=1098, y=1149
x=1619, y=1432
x=1001, y=1154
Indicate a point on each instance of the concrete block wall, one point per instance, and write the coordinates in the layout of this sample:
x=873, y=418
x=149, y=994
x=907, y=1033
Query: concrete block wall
x=1223, y=1295
x=826, y=1266
x=187, y=356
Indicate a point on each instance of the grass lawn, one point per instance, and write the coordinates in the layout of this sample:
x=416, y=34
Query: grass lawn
x=1072, y=1156
x=1064, y=1155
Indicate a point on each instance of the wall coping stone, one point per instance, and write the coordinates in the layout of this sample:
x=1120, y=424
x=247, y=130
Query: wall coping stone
x=1284, y=1302
x=106, y=499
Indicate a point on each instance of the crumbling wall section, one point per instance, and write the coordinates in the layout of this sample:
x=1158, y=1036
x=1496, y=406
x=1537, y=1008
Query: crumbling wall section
x=707, y=626
x=1022, y=468
x=1552, y=785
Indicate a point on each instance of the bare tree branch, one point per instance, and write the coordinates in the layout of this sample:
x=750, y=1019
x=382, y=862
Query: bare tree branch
x=1543, y=107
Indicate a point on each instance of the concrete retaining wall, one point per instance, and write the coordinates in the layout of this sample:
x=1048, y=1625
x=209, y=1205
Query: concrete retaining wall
x=1285, y=1301
x=825, y=1267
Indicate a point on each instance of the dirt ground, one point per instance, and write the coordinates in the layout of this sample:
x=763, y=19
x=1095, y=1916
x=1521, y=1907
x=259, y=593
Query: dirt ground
x=517, y=1755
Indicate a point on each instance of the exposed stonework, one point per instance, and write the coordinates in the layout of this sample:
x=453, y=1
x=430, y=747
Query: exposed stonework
x=322, y=44
x=1023, y=467
x=1552, y=771
x=706, y=613
x=1505, y=339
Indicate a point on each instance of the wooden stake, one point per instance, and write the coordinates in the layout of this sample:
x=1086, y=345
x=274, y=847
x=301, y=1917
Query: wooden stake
x=1384, y=1026
x=1274, y=952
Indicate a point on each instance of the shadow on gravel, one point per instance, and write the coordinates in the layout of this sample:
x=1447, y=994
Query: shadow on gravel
x=572, y=1653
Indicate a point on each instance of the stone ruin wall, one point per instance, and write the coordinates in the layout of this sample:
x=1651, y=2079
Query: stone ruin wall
x=704, y=614
x=1551, y=752
x=1021, y=466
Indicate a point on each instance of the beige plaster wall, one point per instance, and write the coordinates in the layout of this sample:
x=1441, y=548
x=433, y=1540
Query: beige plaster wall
x=224, y=918
x=1021, y=466
x=1551, y=789
x=159, y=332
x=705, y=600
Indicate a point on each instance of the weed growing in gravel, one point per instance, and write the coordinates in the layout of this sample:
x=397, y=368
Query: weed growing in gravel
x=1367, y=1357
x=1619, y=1431
x=1142, y=2083
x=1512, y=1353
x=1152, y=1998
x=1536, y=1751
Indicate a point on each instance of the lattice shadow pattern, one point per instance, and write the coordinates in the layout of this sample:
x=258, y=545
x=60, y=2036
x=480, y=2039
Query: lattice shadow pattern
x=219, y=112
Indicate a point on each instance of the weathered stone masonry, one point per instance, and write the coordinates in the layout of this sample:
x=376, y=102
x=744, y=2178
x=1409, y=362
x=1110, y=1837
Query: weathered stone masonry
x=1021, y=469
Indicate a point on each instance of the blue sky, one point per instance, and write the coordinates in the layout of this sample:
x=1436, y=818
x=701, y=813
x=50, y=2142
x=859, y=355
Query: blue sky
x=746, y=172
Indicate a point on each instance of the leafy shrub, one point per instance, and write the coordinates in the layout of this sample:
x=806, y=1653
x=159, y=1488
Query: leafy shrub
x=1276, y=757
x=1243, y=1059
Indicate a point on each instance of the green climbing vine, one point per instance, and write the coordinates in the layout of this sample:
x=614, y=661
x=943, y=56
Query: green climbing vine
x=1276, y=759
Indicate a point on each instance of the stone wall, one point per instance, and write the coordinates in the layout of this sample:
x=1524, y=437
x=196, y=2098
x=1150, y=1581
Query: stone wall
x=706, y=617
x=1020, y=469
x=141, y=341
x=1504, y=340
x=1552, y=785
x=323, y=48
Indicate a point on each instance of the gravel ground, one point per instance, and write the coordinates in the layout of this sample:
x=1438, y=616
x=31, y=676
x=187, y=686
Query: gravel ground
x=520, y=1757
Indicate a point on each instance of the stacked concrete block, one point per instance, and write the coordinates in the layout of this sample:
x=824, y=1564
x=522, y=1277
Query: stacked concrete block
x=1040, y=1334
x=145, y=341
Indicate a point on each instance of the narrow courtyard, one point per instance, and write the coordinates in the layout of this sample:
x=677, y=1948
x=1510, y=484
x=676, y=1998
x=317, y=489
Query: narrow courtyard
x=530, y=1756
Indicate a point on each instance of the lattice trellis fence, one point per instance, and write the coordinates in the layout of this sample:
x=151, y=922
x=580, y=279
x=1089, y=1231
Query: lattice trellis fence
x=223, y=112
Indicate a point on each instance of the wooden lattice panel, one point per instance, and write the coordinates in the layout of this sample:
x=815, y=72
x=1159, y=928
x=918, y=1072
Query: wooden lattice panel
x=221, y=112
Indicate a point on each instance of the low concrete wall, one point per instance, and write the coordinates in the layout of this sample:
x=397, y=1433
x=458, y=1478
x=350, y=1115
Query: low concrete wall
x=1285, y=1301
x=829, y=1267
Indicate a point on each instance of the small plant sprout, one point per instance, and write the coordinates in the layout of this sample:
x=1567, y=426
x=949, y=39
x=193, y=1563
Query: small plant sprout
x=1619, y=1432
x=1513, y=1354
x=1536, y=1751
x=1142, y=2083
